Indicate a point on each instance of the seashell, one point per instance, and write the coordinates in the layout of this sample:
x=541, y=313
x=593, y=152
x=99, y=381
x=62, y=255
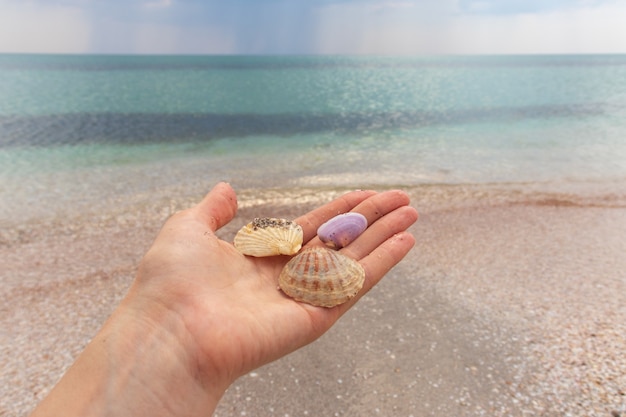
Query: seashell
x=268, y=237
x=321, y=277
x=341, y=230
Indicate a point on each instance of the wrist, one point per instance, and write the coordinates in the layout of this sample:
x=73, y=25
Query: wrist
x=151, y=346
x=141, y=362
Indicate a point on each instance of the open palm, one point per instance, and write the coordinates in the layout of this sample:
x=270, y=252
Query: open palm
x=236, y=317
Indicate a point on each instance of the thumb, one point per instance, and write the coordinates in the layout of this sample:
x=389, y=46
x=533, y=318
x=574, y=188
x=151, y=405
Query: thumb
x=218, y=207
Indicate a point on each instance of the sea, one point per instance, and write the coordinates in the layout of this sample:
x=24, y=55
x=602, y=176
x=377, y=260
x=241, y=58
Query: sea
x=81, y=131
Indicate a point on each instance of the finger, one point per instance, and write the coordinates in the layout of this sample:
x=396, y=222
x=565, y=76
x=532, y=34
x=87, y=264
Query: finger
x=390, y=224
x=379, y=205
x=380, y=262
x=385, y=257
x=218, y=207
x=373, y=207
x=314, y=219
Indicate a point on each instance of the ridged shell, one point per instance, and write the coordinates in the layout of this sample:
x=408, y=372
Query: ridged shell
x=321, y=277
x=341, y=230
x=268, y=237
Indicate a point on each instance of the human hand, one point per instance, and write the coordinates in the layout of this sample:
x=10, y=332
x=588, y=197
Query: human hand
x=203, y=314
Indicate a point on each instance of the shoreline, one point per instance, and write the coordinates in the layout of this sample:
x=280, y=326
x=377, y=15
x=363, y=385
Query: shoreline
x=152, y=209
x=510, y=302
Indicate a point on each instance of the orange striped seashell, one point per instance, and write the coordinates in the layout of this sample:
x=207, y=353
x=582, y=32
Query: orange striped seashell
x=321, y=277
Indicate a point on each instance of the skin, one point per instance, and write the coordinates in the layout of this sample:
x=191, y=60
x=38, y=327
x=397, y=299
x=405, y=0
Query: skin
x=200, y=314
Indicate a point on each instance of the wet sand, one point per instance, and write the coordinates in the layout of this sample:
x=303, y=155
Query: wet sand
x=510, y=304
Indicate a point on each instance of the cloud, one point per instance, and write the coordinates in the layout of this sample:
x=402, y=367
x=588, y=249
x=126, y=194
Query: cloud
x=34, y=28
x=306, y=27
x=390, y=5
x=592, y=27
x=588, y=29
x=165, y=39
x=507, y=7
x=157, y=4
x=119, y=37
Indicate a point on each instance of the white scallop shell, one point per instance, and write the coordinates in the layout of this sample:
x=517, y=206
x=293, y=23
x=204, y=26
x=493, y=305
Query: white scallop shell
x=321, y=277
x=268, y=237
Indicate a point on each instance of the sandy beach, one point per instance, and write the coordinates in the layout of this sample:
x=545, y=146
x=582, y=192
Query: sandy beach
x=511, y=304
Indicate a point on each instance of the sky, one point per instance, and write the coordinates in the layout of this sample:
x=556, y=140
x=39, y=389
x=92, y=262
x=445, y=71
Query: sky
x=387, y=27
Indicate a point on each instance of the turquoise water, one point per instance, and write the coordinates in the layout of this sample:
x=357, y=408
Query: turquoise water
x=72, y=127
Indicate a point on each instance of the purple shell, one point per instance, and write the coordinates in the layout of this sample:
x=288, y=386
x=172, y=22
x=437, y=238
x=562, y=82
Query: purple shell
x=339, y=231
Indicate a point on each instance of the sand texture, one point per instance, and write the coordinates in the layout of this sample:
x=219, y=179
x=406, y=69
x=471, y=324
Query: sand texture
x=511, y=304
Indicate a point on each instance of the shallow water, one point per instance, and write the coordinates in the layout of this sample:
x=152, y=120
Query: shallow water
x=78, y=131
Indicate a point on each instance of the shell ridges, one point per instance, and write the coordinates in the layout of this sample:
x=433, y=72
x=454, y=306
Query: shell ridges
x=321, y=277
x=266, y=236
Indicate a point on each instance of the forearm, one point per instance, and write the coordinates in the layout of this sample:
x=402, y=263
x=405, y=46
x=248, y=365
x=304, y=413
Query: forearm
x=200, y=314
x=135, y=366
